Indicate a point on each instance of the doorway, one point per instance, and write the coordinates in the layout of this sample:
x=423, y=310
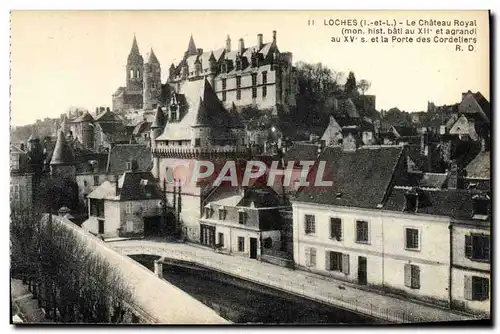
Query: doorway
x=362, y=275
x=253, y=248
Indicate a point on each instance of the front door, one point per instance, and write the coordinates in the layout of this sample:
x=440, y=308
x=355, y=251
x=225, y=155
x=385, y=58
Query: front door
x=362, y=279
x=253, y=248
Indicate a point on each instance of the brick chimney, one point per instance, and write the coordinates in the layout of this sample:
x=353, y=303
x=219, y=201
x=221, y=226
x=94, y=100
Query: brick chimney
x=228, y=44
x=274, y=36
x=259, y=41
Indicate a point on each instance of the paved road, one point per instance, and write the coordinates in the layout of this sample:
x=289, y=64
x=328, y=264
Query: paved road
x=316, y=287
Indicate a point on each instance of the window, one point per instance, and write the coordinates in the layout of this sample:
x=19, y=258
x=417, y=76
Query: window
x=481, y=206
x=336, y=228
x=128, y=165
x=311, y=257
x=96, y=180
x=16, y=192
x=336, y=261
x=412, y=276
x=197, y=142
x=224, y=84
x=254, y=85
x=264, y=91
x=242, y=217
x=241, y=244
x=310, y=227
x=238, y=88
x=130, y=226
x=264, y=77
x=477, y=247
x=85, y=183
x=254, y=92
x=224, y=97
x=476, y=288
x=208, y=212
x=222, y=214
x=128, y=207
x=221, y=239
x=131, y=73
x=362, y=231
x=411, y=239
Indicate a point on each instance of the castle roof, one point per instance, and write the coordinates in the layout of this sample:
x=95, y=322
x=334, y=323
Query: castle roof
x=63, y=154
x=159, y=121
x=191, y=50
x=151, y=58
x=204, y=109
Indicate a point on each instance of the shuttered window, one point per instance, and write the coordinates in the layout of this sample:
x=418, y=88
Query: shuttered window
x=241, y=244
x=412, y=276
x=477, y=247
x=336, y=261
x=336, y=228
x=476, y=288
x=345, y=264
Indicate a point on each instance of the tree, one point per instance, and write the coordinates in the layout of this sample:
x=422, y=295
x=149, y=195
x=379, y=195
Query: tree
x=317, y=84
x=364, y=85
x=351, y=87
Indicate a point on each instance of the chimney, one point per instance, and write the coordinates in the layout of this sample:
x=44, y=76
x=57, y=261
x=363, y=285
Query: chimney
x=107, y=109
x=454, y=176
x=241, y=46
x=259, y=41
x=274, y=36
x=228, y=44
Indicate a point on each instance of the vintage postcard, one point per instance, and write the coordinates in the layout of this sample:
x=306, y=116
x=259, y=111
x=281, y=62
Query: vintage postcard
x=250, y=167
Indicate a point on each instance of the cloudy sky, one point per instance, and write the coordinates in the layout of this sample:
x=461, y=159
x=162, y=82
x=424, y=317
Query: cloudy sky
x=61, y=59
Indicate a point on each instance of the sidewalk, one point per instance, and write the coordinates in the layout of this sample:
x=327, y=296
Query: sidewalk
x=316, y=287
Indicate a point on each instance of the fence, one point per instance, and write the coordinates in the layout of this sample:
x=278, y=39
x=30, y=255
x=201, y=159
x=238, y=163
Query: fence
x=312, y=290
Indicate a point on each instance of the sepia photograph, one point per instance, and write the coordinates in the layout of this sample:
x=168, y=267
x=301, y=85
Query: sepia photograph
x=203, y=167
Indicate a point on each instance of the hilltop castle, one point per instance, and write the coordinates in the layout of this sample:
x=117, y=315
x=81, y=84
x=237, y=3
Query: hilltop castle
x=259, y=76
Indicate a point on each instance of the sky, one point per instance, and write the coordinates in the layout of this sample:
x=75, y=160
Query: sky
x=77, y=58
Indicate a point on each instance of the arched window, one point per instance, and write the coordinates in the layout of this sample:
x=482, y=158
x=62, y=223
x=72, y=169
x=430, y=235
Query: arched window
x=131, y=73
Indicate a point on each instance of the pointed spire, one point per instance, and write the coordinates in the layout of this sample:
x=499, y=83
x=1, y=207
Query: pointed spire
x=152, y=57
x=135, y=47
x=159, y=121
x=192, y=51
x=63, y=154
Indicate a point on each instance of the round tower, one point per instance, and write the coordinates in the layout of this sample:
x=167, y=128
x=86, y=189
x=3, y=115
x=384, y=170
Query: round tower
x=152, y=81
x=62, y=163
x=135, y=67
x=156, y=129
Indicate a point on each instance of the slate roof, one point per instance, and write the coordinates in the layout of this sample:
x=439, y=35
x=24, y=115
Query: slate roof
x=259, y=198
x=106, y=116
x=134, y=186
x=360, y=178
x=301, y=152
x=141, y=127
x=453, y=203
x=480, y=166
x=116, y=132
x=204, y=109
x=86, y=117
x=405, y=131
x=119, y=91
x=99, y=167
x=120, y=154
x=159, y=120
x=151, y=57
x=430, y=180
x=62, y=154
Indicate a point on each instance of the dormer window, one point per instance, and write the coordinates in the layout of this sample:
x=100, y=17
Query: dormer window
x=411, y=201
x=222, y=213
x=238, y=64
x=223, y=67
x=242, y=217
x=481, y=206
x=208, y=211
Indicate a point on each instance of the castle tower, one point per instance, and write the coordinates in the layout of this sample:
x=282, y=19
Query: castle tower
x=156, y=129
x=191, y=50
x=62, y=164
x=135, y=67
x=152, y=81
